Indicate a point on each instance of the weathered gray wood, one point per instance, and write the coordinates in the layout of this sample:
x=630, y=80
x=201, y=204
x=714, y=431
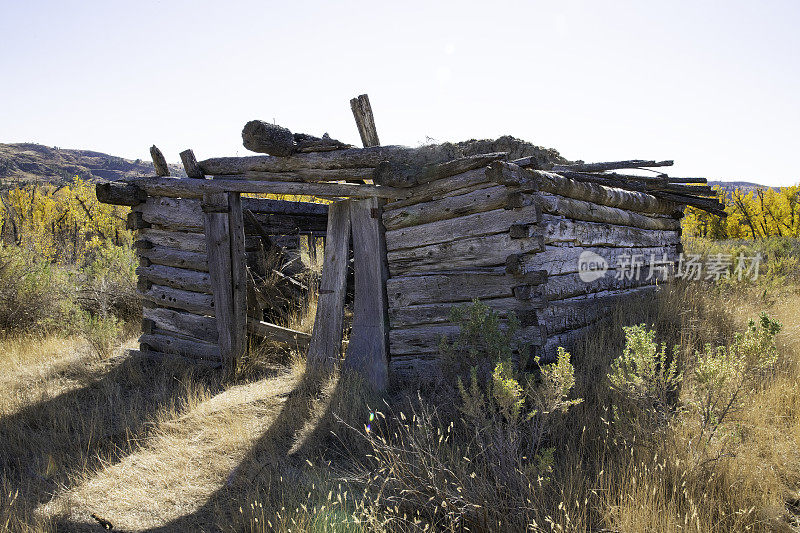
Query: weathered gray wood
x=407, y=175
x=486, y=223
x=179, y=214
x=194, y=302
x=326, y=340
x=168, y=358
x=190, y=165
x=135, y=221
x=119, y=194
x=159, y=162
x=439, y=313
x=510, y=174
x=566, y=259
x=173, y=345
x=451, y=186
x=304, y=142
x=185, y=241
x=612, y=165
x=180, y=278
x=570, y=285
x=200, y=327
x=183, y=188
x=278, y=333
x=218, y=245
x=365, y=121
x=488, y=250
x=308, y=175
x=577, y=312
x=284, y=207
x=558, y=229
x=265, y=138
x=368, y=351
x=173, y=257
x=463, y=287
x=426, y=339
x=591, y=212
x=449, y=207
x=238, y=276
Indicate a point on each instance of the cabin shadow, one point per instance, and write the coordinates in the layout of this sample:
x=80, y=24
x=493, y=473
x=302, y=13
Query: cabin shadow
x=47, y=444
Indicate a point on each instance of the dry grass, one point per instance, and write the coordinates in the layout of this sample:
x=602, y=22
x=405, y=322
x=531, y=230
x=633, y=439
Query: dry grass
x=159, y=447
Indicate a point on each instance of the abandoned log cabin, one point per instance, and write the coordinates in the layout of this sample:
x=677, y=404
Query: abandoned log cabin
x=412, y=231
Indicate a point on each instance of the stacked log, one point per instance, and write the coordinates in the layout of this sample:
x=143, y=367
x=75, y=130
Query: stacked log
x=515, y=238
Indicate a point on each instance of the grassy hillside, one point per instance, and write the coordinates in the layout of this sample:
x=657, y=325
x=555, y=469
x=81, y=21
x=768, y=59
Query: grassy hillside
x=34, y=163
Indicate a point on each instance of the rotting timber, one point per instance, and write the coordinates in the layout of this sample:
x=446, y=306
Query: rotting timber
x=428, y=228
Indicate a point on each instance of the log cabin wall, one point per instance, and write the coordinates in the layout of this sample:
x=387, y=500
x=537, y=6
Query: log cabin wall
x=512, y=237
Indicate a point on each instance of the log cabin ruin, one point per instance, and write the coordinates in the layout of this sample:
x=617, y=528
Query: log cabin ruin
x=419, y=230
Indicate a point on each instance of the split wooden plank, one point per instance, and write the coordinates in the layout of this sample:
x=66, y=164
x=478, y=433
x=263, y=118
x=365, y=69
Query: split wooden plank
x=451, y=186
x=168, y=344
x=193, y=325
x=159, y=162
x=488, y=250
x=193, y=302
x=284, y=207
x=278, y=333
x=407, y=175
x=179, y=278
x=218, y=245
x=182, y=188
x=456, y=287
x=173, y=257
x=179, y=214
x=591, y=212
x=478, y=201
x=368, y=351
x=365, y=121
x=559, y=229
x=474, y=225
x=612, y=165
x=238, y=275
x=439, y=313
x=180, y=240
x=326, y=339
x=558, y=260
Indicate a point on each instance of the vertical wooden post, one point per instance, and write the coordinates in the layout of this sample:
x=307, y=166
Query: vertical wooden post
x=159, y=163
x=224, y=232
x=368, y=351
x=326, y=339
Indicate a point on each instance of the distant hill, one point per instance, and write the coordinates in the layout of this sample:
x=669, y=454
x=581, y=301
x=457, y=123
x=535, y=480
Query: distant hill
x=26, y=163
x=742, y=185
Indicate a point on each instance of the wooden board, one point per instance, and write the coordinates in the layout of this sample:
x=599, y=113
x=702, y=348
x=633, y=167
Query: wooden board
x=426, y=339
x=169, y=344
x=188, y=242
x=326, y=339
x=218, y=244
x=278, y=333
x=591, y=212
x=197, y=326
x=566, y=259
x=368, y=351
x=172, y=257
x=180, y=278
x=454, y=287
x=193, y=302
x=238, y=275
x=559, y=229
x=174, y=213
x=438, y=313
x=489, y=250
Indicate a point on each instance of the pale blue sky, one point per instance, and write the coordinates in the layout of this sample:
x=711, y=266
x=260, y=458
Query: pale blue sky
x=713, y=85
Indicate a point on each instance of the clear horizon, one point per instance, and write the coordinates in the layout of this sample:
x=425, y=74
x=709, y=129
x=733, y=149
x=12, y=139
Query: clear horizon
x=711, y=85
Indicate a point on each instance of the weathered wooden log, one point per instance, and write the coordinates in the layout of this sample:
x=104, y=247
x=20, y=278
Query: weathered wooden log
x=278, y=333
x=284, y=207
x=326, y=340
x=265, y=138
x=592, y=212
x=713, y=206
x=698, y=190
x=365, y=121
x=159, y=163
x=688, y=180
x=456, y=286
x=571, y=285
x=182, y=188
x=439, y=313
x=456, y=185
x=175, y=213
x=577, y=312
x=174, y=345
x=612, y=165
x=238, y=275
x=200, y=327
x=407, y=175
x=566, y=259
x=426, y=339
x=287, y=224
x=559, y=229
x=445, y=208
x=119, y=194
x=194, y=302
x=511, y=174
x=304, y=142
x=169, y=358
x=605, y=179
x=488, y=250
x=179, y=278
x=358, y=175
x=486, y=223
x=191, y=166
x=184, y=241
